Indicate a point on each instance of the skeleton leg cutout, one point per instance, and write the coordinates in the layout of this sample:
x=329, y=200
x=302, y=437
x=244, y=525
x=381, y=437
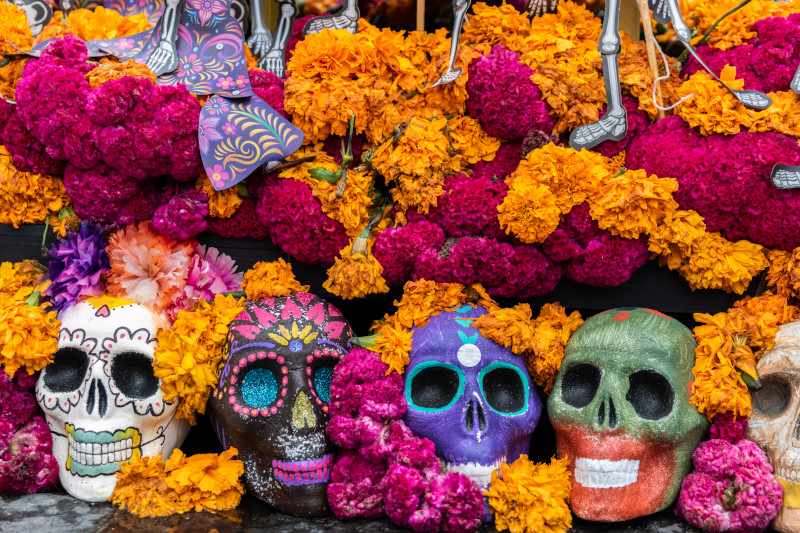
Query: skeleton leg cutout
x=614, y=125
x=275, y=59
x=785, y=177
x=460, y=8
x=795, y=85
x=344, y=19
x=164, y=58
x=260, y=38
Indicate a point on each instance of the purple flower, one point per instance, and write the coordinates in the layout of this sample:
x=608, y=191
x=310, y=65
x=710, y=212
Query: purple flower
x=76, y=265
x=207, y=132
x=503, y=98
x=210, y=273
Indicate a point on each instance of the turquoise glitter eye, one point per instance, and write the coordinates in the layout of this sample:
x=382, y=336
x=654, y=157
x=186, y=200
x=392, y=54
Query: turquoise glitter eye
x=322, y=382
x=259, y=388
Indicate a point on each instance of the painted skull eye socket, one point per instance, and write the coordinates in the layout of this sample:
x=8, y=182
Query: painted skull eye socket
x=259, y=388
x=434, y=386
x=774, y=396
x=504, y=388
x=133, y=375
x=579, y=384
x=322, y=382
x=650, y=394
x=67, y=371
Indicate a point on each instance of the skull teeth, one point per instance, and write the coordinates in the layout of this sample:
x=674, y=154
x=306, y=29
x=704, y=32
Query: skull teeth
x=95, y=454
x=606, y=474
x=788, y=474
x=304, y=472
x=479, y=473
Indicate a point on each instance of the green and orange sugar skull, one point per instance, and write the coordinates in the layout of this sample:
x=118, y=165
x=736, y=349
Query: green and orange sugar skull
x=620, y=409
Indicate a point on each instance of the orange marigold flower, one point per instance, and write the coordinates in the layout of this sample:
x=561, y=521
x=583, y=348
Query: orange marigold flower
x=271, y=279
x=394, y=345
x=206, y=482
x=634, y=203
x=114, y=71
x=28, y=334
x=529, y=212
x=527, y=496
x=511, y=327
x=14, y=29
x=713, y=109
x=672, y=239
x=717, y=263
x=221, y=204
x=470, y=142
x=552, y=329
x=102, y=23
x=355, y=273
x=10, y=74
x=27, y=198
x=636, y=77
x=490, y=26
x=189, y=353
x=142, y=491
x=423, y=299
x=783, y=274
x=570, y=175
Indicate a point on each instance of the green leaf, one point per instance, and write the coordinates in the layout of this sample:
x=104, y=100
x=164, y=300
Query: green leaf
x=319, y=173
x=34, y=299
x=364, y=342
x=749, y=381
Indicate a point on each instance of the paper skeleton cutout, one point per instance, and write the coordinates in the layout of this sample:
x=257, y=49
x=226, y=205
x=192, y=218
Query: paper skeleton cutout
x=199, y=43
x=614, y=124
x=38, y=13
x=787, y=176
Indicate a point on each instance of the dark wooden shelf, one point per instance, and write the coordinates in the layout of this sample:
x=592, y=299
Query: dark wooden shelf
x=650, y=286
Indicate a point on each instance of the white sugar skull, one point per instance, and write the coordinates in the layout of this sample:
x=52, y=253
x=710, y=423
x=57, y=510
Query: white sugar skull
x=100, y=397
x=775, y=420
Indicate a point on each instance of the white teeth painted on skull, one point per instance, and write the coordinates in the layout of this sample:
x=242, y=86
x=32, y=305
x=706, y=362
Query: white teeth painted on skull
x=605, y=474
x=480, y=474
x=104, y=448
x=98, y=449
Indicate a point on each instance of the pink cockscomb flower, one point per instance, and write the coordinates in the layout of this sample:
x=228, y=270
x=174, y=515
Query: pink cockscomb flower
x=210, y=273
x=731, y=489
x=148, y=268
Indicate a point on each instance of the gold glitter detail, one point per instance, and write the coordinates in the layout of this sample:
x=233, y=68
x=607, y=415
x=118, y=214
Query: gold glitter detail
x=303, y=412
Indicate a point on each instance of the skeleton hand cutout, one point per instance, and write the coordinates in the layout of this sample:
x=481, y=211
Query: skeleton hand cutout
x=261, y=39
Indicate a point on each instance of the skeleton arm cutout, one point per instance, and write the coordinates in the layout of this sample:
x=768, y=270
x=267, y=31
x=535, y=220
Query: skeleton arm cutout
x=260, y=38
x=275, y=59
x=537, y=8
x=460, y=8
x=38, y=13
x=165, y=58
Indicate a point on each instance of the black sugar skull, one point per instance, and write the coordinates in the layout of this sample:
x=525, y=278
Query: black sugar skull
x=271, y=403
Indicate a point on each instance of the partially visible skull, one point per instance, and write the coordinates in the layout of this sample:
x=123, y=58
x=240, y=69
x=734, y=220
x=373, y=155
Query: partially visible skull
x=472, y=397
x=271, y=404
x=775, y=420
x=620, y=408
x=100, y=396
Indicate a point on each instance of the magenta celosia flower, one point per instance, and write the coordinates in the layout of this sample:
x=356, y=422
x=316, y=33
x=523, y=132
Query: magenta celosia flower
x=210, y=273
x=504, y=163
x=468, y=207
x=269, y=88
x=244, y=223
x=474, y=259
x=26, y=461
x=503, y=98
x=530, y=274
x=28, y=154
x=726, y=179
x=136, y=128
x=384, y=467
x=183, y=216
x=396, y=248
x=727, y=426
x=731, y=489
x=767, y=63
x=297, y=224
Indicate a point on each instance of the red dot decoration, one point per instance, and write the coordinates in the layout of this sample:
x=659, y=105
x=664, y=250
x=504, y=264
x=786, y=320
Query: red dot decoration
x=658, y=313
x=622, y=316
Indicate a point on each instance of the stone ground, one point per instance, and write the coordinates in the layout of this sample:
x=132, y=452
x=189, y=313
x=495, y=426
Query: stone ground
x=61, y=513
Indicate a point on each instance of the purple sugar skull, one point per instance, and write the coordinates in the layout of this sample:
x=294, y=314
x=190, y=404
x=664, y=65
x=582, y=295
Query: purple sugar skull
x=472, y=397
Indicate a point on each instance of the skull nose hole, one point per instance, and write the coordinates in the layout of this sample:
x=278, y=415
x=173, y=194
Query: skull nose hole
x=303, y=412
x=470, y=418
x=601, y=414
x=612, y=414
x=90, y=398
x=481, y=417
x=102, y=399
